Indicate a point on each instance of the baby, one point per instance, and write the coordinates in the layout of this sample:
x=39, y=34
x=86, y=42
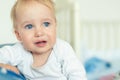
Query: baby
x=39, y=55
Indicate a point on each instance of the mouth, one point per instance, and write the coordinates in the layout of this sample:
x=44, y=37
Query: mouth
x=40, y=43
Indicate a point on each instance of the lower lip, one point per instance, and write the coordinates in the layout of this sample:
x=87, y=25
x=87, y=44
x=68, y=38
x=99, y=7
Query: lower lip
x=41, y=44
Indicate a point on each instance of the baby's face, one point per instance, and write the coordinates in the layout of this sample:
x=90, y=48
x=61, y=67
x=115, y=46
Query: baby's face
x=36, y=27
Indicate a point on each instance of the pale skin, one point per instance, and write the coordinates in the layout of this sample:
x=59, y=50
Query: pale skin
x=36, y=30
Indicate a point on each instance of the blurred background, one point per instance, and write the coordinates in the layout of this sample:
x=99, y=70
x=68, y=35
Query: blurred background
x=92, y=27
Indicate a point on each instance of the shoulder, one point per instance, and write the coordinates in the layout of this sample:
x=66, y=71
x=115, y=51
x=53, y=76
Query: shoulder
x=62, y=43
x=12, y=54
x=12, y=48
x=63, y=48
x=18, y=45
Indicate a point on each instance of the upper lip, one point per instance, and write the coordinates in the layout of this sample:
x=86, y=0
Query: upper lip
x=39, y=41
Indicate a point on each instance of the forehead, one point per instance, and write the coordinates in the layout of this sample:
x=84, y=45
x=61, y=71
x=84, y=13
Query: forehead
x=33, y=8
x=30, y=3
x=30, y=6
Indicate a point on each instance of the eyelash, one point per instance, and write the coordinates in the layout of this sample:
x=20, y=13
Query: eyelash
x=46, y=24
x=29, y=26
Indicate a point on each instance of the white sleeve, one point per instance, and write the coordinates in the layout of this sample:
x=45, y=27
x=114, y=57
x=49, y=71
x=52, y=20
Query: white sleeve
x=5, y=55
x=9, y=55
x=72, y=68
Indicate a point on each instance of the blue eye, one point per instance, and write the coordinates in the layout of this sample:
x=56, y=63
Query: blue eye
x=46, y=24
x=29, y=26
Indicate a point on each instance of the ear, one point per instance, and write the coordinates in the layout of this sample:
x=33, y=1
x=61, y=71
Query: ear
x=17, y=35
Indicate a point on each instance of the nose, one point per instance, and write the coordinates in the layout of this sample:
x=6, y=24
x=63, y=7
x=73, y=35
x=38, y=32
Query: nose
x=39, y=31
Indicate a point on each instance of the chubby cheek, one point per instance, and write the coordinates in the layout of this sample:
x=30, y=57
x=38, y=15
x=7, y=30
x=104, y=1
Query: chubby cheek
x=27, y=41
x=52, y=37
x=23, y=37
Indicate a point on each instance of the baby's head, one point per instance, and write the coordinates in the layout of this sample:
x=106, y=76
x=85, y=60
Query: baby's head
x=20, y=3
x=35, y=24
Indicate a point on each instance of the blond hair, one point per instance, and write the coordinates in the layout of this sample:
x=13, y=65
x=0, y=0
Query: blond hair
x=18, y=3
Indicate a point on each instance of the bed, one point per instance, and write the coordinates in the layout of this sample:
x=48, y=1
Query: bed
x=100, y=44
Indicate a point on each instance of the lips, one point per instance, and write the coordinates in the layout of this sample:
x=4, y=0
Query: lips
x=40, y=43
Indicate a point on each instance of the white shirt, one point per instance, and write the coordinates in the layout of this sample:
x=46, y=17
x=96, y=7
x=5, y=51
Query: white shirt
x=62, y=63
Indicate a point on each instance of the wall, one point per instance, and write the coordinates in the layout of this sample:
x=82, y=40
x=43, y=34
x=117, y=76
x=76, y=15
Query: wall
x=99, y=10
x=6, y=32
x=104, y=14
x=99, y=26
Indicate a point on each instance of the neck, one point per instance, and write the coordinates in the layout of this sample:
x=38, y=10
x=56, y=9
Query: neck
x=40, y=59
